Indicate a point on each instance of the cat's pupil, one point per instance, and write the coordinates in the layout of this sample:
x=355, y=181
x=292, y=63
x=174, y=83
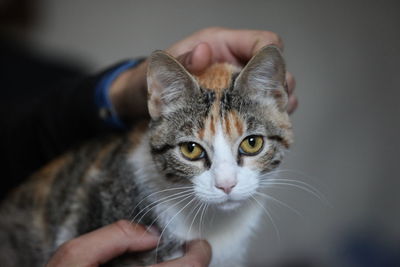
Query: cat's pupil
x=191, y=146
x=252, y=141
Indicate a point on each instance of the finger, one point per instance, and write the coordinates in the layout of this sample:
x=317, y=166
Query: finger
x=102, y=245
x=291, y=83
x=246, y=43
x=292, y=104
x=198, y=59
x=198, y=253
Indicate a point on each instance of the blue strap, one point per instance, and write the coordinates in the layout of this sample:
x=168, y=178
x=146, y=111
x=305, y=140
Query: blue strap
x=102, y=97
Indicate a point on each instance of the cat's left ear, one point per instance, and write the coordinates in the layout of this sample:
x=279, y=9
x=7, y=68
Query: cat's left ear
x=263, y=78
x=168, y=84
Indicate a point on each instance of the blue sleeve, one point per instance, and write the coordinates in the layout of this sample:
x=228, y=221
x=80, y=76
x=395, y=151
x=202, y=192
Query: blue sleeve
x=102, y=97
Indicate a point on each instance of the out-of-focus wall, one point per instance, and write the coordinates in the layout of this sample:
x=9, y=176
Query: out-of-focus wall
x=345, y=56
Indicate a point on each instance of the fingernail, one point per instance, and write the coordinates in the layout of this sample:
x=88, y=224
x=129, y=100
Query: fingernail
x=153, y=230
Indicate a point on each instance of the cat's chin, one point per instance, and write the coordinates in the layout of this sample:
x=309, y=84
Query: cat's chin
x=229, y=205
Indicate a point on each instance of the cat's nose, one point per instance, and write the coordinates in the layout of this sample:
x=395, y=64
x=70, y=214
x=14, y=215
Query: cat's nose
x=226, y=187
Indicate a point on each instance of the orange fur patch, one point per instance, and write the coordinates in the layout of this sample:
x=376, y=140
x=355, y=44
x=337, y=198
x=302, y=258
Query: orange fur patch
x=216, y=77
x=201, y=133
x=238, y=125
x=212, y=126
x=233, y=125
x=227, y=125
x=43, y=179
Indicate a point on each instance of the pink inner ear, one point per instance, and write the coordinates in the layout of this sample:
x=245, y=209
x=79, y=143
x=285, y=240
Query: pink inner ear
x=154, y=97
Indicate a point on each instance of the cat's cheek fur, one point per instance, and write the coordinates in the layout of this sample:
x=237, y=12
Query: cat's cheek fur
x=247, y=183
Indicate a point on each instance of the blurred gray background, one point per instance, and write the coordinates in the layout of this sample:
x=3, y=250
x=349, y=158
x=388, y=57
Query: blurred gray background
x=345, y=57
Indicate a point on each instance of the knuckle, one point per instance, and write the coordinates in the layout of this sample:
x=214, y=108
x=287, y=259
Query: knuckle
x=125, y=227
x=272, y=37
x=69, y=248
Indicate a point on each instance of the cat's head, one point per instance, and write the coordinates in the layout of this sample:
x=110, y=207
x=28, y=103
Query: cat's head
x=222, y=131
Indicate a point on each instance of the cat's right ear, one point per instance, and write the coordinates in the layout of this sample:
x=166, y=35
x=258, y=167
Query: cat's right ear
x=263, y=78
x=167, y=83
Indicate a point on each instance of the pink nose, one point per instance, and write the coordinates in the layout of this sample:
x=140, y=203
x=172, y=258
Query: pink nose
x=227, y=188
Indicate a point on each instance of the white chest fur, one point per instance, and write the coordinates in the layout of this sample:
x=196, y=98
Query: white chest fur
x=227, y=232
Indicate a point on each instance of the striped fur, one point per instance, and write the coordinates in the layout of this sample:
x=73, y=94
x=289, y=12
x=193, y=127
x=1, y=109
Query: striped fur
x=119, y=177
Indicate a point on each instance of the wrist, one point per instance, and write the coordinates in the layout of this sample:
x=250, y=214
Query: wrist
x=128, y=93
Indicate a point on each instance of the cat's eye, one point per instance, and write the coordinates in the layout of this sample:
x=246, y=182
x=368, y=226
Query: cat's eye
x=251, y=145
x=192, y=151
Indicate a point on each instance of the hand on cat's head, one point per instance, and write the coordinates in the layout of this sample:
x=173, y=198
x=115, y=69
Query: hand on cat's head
x=205, y=47
x=219, y=44
x=197, y=52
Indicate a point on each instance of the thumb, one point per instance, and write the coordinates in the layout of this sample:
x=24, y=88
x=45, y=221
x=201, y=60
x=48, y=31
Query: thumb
x=198, y=59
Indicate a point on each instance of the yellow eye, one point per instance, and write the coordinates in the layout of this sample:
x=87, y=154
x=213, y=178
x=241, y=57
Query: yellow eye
x=251, y=145
x=192, y=151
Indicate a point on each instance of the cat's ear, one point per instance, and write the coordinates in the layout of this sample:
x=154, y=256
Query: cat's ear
x=263, y=78
x=168, y=83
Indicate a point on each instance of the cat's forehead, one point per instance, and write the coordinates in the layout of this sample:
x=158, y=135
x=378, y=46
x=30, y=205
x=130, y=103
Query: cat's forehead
x=217, y=77
x=230, y=122
x=225, y=108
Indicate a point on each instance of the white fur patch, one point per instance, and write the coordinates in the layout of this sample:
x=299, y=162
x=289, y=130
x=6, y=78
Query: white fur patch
x=227, y=230
x=225, y=170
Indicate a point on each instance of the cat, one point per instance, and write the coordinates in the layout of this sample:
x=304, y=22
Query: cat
x=193, y=170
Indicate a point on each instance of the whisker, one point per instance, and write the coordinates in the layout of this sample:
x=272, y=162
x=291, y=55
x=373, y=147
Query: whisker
x=281, y=202
x=201, y=218
x=198, y=207
x=270, y=218
x=166, y=226
x=315, y=194
x=161, y=201
x=170, y=207
x=294, y=181
x=158, y=192
x=184, y=196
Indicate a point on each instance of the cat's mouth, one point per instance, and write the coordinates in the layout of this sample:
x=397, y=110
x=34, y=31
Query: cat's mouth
x=229, y=204
x=225, y=202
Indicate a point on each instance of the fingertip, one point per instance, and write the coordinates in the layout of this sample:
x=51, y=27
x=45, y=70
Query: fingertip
x=264, y=38
x=201, y=58
x=293, y=104
x=199, y=250
x=137, y=236
x=291, y=82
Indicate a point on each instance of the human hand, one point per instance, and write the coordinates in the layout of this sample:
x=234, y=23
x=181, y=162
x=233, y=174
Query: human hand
x=102, y=245
x=216, y=44
x=197, y=52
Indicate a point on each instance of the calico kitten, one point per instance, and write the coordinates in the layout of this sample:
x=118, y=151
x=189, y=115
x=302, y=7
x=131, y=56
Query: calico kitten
x=193, y=170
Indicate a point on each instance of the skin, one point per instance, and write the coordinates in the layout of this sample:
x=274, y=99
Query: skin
x=98, y=247
x=129, y=94
x=196, y=52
